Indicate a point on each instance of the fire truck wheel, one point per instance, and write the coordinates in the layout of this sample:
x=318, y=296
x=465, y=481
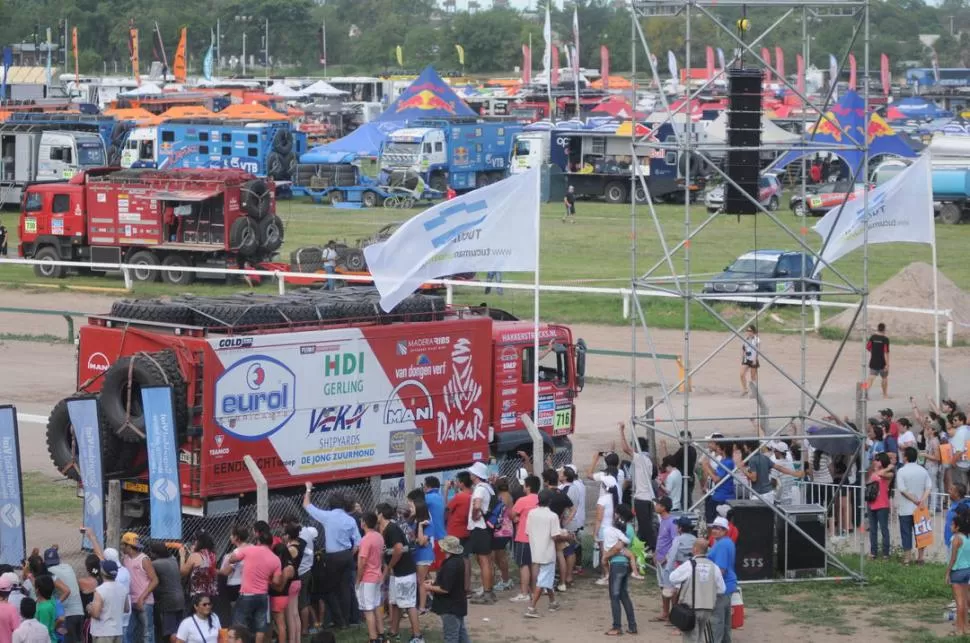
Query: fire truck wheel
x=47, y=270
x=270, y=234
x=283, y=141
x=242, y=237
x=253, y=195
x=121, y=392
x=143, y=258
x=177, y=277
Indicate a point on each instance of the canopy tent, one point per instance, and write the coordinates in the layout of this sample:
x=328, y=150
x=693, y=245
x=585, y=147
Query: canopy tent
x=716, y=131
x=844, y=124
x=427, y=97
x=364, y=141
x=283, y=91
x=918, y=107
x=322, y=88
x=145, y=89
x=187, y=111
x=134, y=114
x=252, y=112
x=616, y=106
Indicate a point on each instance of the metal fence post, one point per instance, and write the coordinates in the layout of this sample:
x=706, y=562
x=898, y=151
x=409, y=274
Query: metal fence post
x=127, y=275
x=112, y=537
x=627, y=296
x=652, y=435
x=280, y=283
x=262, y=489
x=449, y=295
x=538, y=457
x=860, y=418
x=410, y=461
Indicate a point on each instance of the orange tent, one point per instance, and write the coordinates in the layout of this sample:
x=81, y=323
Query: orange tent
x=252, y=112
x=616, y=82
x=136, y=114
x=187, y=111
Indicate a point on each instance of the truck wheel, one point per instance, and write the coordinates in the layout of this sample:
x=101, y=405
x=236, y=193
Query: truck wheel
x=438, y=183
x=242, y=236
x=274, y=166
x=354, y=261
x=336, y=197
x=253, y=195
x=177, y=277
x=143, y=258
x=615, y=193
x=62, y=443
x=799, y=209
x=371, y=199
x=951, y=214
x=639, y=193
x=48, y=270
x=121, y=392
x=270, y=234
x=283, y=141
x=773, y=204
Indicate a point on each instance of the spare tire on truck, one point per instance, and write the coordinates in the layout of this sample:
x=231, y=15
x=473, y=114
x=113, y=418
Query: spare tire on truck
x=121, y=392
x=243, y=237
x=270, y=234
x=253, y=195
x=283, y=141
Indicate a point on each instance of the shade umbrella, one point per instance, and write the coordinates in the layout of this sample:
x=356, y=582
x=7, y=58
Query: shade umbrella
x=834, y=440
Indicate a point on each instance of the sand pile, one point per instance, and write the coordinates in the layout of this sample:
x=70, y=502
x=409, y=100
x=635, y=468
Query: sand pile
x=912, y=287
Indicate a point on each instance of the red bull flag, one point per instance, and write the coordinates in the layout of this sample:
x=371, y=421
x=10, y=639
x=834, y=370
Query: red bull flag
x=780, y=61
x=554, y=71
x=77, y=75
x=427, y=97
x=605, y=66
x=884, y=74
x=710, y=62
x=800, y=73
x=526, y=65
x=133, y=50
x=852, y=72
x=766, y=59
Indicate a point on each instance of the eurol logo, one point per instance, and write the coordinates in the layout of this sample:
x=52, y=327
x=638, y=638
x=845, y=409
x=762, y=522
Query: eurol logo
x=255, y=397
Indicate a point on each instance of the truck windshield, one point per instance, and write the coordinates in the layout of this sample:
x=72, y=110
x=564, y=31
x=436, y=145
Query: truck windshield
x=401, y=152
x=90, y=154
x=760, y=266
x=522, y=148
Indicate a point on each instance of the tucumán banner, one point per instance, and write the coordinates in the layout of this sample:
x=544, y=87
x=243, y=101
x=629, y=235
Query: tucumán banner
x=83, y=412
x=163, y=463
x=13, y=540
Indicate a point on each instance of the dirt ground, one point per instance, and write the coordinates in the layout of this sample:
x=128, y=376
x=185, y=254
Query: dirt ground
x=36, y=375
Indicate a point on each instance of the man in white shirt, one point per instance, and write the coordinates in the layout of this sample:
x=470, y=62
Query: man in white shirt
x=700, y=582
x=329, y=256
x=643, y=495
x=542, y=527
x=30, y=629
x=479, y=535
x=576, y=492
x=913, y=487
x=673, y=483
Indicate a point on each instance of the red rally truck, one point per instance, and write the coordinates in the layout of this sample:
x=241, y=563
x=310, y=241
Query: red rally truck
x=327, y=401
x=176, y=218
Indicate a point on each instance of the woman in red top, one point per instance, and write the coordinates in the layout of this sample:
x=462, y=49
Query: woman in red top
x=200, y=567
x=880, y=474
x=456, y=521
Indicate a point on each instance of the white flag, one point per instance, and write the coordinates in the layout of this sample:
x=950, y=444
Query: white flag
x=547, y=52
x=491, y=228
x=899, y=210
x=672, y=64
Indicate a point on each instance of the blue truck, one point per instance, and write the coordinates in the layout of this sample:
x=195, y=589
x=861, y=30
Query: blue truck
x=113, y=132
x=951, y=185
x=460, y=154
x=264, y=149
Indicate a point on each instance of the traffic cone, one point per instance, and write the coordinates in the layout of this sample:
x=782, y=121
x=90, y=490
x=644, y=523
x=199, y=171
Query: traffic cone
x=737, y=610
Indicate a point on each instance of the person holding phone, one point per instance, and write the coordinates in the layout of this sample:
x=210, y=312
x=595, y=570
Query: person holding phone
x=420, y=525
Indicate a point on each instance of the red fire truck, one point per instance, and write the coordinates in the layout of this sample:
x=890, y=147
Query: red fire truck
x=323, y=401
x=176, y=218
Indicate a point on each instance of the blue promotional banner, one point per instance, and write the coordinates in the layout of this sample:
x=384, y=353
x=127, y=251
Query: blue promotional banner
x=87, y=432
x=163, y=464
x=13, y=540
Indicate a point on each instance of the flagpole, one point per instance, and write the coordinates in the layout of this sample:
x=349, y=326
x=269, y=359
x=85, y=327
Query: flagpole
x=936, y=303
x=535, y=308
x=576, y=56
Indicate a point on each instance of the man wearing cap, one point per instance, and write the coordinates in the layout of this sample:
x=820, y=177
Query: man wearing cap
x=450, y=601
x=73, y=610
x=479, y=535
x=784, y=473
x=544, y=532
x=722, y=554
x=107, y=609
x=701, y=586
x=141, y=627
x=643, y=494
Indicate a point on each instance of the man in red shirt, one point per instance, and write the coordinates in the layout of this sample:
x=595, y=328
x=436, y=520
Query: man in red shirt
x=456, y=517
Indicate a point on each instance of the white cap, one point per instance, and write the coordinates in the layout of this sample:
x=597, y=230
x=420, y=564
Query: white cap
x=111, y=554
x=720, y=523
x=479, y=470
x=778, y=445
x=10, y=577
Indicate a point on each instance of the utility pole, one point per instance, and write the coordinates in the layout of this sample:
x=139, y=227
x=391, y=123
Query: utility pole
x=266, y=48
x=323, y=35
x=65, y=44
x=244, y=55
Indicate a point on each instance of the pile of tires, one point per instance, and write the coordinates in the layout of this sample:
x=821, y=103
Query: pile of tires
x=281, y=162
x=260, y=233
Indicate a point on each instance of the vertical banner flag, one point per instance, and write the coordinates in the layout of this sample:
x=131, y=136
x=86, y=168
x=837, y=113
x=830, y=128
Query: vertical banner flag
x=50, y=44
x=526, y=66
x=399, y=53
x=710, y=62
x=900, y=210
x=133, y=50
x=672, y=64
x=884, y=74
x=158, y=49
x=490, y=229
x=163, y=463
x=780, y=62
x=208, y=61
x=461, y=54
x=321, y=44
x=7, y=64
x=179, y=68
x=852, y=72
x=766, y=59
x=936, y=65
x=653, y=67
x=83, y=412
x=554, y=72
x=833, y=74
x=800, y=74
x=720, y=58
x=605, y=66
x=77, y=74
x=13, y=540
x=547, y=52
x=576, y=44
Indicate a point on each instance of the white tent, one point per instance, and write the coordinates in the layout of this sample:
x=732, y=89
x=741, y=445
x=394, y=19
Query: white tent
x=716, y=132
x=145, y=89
x=322, y=88
x=283, y=91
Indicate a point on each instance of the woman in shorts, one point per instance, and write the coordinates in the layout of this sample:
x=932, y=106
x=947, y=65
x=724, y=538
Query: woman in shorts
x=419, y=524
x=958, y=571
x=502, y=536
x=749, y=359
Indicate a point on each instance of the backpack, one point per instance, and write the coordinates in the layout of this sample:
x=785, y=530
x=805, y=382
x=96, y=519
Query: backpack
x=496, y=512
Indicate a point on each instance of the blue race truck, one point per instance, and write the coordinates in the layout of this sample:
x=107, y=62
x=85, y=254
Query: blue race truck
x=951, y=186
x=460, y=154
x=264, y=149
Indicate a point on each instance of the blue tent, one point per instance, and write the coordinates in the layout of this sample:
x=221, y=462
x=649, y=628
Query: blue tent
x=427, y=97
x=844, y=124
x=366, y=140
x=918, y=107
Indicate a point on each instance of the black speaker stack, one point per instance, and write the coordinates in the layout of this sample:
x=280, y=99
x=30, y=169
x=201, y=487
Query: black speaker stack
x=768, y=545
x=743, y=131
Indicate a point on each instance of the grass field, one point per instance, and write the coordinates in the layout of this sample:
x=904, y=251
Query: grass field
x=596, y=251
x=44, y=496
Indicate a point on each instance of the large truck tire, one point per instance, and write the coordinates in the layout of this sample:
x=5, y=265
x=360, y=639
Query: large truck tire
x=438, y=182
x=152, y=310
x=951, y=213
x=290, y=165
x=283, y=141
x=274, y=166
x=143, y=258
x=354, y=260
x=177, y=277
x=243, y=237
x=254, y=193
x=121, y=387
x=270, y=232
x=306, y=256
x=372, y=199
x=48, y=270
x=615, y=192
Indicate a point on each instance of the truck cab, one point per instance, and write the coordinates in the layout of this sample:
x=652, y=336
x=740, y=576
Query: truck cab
x=64, y=154
x=141, y=149
x=421, y=149
x=529, y=150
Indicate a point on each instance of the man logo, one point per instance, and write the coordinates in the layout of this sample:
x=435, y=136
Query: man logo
x=409, y=402
x=93, y=503
x=165, y=490
x=98, y=362
x=10, y=515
